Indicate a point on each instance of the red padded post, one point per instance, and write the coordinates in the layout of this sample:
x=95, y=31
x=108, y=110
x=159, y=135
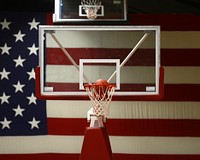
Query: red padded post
x=96, y=145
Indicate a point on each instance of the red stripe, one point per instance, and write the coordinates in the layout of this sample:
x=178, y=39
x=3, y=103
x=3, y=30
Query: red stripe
x=56, y=55
x=167, y=22
x=57, y=87
x=66, y=126
x=57, y=156
x=45, y=156
x=178, y=22
x=181, y=92
x=169, y=57
x=153, y=127
x=180, y=57
x=75, y=87
x=49, y=20
x=172, y=92
x=128, y=127
x=154, y=157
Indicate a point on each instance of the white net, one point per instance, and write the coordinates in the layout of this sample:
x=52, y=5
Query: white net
x=91, y=8
x=100, y=97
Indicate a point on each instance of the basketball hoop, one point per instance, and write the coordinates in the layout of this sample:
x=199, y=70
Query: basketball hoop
x=91, y=8
x=100, y=97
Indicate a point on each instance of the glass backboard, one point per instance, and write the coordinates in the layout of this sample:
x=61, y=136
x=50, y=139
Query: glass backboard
x=72, y=56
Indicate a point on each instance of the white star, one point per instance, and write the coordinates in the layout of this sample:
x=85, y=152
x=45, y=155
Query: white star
x=18, y=87
x=32, y=99
x=5, y=49
x=18, y=111
x=4, y=74
x=19, y=36
x=19, y=61
x=4, y=98
x=33, y=49
x=33, y=24
x=5, y=24
x=31, y=74
x=34, y=123
x=5, y=123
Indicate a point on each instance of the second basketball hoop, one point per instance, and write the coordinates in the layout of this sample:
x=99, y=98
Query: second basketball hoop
x=91, y=8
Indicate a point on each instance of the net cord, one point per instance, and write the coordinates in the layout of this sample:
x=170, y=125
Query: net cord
x=100, y=98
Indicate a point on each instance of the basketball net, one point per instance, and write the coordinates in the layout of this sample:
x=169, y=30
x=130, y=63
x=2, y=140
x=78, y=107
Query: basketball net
x=100, y=97
x=91, y=8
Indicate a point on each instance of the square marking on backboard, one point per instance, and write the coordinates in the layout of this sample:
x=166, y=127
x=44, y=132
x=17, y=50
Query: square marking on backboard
x=95, y=61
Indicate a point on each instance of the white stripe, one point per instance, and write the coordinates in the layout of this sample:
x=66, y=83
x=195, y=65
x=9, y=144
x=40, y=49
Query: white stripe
x=96, y=39
x=68, y=73
x=40, y=144
x=182, y=75
x=67, y=109
x=175, y=39
x=180, y=39
x=126, y=110
x=172, y=75
x=73, y=144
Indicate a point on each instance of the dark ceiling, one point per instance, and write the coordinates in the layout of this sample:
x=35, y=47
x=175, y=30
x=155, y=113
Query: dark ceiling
x=134, y=6
x=164, y=6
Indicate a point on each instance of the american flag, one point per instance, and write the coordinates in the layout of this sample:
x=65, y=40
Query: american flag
x=21, y=114
x=140, y=130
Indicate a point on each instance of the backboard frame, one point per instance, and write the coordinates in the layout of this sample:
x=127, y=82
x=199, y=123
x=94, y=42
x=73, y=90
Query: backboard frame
x=51, y=95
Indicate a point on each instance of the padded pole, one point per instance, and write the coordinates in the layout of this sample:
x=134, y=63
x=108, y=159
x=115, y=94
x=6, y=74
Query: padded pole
x=96, y=145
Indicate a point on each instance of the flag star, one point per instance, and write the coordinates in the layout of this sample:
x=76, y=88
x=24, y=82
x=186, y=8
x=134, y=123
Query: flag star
x=5, y=123
x=5, y=24
x=34, y=123
x=19, y=36
x=32, y=99
x=5, y=49
x=19, y=61
x=31, y=74
x=4, y=98
x=18, y=87
x=33, y=49
x=18, y=111
x=4, y=74
x=33, y=24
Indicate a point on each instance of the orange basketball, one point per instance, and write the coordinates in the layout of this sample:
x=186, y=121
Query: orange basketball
x=101, y=82
x=100, y=88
